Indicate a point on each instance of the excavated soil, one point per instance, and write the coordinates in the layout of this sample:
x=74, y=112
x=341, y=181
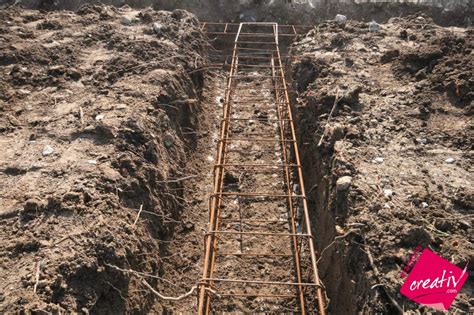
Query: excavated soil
x=391, y=168
x=98, y=114
x=105, y=112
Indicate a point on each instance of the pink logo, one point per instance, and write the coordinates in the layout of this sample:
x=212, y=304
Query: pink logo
x=434, y=281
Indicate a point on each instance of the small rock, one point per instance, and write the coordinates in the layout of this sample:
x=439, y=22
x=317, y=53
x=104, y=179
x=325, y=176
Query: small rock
x=424, y=205
x=92, y=161
x=388, y=193
x=464, y=224
x=188, y=226
x=343, y=183
x=421, y=140
x=99, y=117
x=125, y=20
x=374, y=27
x=169, y=140
x=378, y=160
x=47, y=150
x=449, y=160
x=420, y=19
x=158, y=28
x=354, y=120
x=341, y=19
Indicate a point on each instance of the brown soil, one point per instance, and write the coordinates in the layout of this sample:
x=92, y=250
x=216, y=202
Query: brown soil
x=115, y=104
x=404, y=107
x=103, y=115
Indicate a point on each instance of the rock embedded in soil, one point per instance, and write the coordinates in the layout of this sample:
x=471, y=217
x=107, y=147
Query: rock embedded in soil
x=47, y=150
x=168, y=140
x=343, y=183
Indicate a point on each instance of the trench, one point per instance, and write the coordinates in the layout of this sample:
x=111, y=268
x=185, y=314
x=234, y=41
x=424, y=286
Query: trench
x=327, y=207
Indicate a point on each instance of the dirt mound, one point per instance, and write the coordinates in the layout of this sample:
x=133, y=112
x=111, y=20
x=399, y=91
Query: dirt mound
x=92, y=105
x=395, y=152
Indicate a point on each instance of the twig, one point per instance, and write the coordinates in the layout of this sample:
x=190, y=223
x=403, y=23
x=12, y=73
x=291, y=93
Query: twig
x=140, y=274
x=162, y=216
x=161, y=296
x=81, y=116
x=37, y=276
x=336, y=101
x=169, y=298
x=65, y=238
x=332, y=243
x=177, y=180
x=376, y=271
x=138, y=215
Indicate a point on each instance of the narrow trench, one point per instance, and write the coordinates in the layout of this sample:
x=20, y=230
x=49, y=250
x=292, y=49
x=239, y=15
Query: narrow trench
x=186, y=250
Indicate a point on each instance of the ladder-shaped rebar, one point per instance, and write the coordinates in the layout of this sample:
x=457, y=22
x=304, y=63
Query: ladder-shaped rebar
x=259, y=225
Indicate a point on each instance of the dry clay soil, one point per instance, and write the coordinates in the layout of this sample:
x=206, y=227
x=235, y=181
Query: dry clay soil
x=100, y=114
x=391, y=167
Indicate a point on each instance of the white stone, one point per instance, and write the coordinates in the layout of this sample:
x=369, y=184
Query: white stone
x=158, y=28
x=388, y=193
x=99, y=117
x=341, y=19
x=424, y=205
x=343, y=183
x=374, y=27
x=449, y=160
x=378, y=160
x=48, y=150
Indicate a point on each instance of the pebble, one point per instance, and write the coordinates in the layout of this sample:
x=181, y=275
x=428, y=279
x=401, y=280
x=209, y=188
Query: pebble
x=169, y=140
x=99, y=117
x=158, y=28
x=388, y=193
x=125, y=20
x=424, y=205
x=341, y=19
x=374, y=27
x=378, y=160
x=449, y=160
x=343, y=183
x=421, y=140
x=464, y=224
x=48, y=150
x=92, y=161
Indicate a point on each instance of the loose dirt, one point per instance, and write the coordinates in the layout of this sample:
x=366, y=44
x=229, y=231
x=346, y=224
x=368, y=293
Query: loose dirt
x=98, y=114
x=394, y=167
x=106, y=112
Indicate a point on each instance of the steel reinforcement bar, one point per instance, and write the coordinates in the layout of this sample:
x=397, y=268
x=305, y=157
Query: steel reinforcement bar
x=304, y=291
